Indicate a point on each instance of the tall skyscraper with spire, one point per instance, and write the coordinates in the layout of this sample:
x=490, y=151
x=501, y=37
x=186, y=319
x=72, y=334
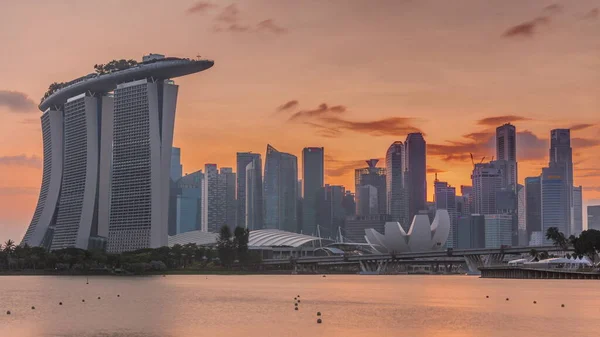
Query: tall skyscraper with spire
x=416, y=164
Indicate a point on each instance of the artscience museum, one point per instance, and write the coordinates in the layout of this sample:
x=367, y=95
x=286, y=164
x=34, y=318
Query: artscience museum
x=422, y=235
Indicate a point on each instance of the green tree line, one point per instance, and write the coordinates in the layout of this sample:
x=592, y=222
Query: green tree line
x=585, y=244
x=230, y=253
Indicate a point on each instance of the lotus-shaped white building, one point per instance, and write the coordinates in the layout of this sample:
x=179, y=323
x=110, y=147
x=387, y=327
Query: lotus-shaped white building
x=422, y=235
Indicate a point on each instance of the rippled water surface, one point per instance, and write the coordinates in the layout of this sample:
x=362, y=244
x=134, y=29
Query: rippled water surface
x=249, y=306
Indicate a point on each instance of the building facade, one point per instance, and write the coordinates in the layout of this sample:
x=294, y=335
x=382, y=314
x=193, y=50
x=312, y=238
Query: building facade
x=226, y=203
x=313, y=179
x=445, y=198
x=577, y=211
x=487, y=181
x=106, y=180
x=416, y=165
x=176, y=167
x=533, y=205
x=243, y=159
x=210, y=199
x=593, y=214
x=561, y=157
x=189, y=203
x=396, y=183
x=376, y=178
x=253, y=210
x=498, y=230
x=281, y=190
x=555, y=200
x=471, y=232
x=330, y=210
x=506, y=154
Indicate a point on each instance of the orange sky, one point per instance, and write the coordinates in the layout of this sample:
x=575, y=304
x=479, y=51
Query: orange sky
x=452, y=69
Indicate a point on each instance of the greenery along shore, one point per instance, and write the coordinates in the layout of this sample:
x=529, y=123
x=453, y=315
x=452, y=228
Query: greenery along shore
x=230, y=255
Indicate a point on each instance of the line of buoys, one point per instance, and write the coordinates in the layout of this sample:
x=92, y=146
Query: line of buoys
x=118, y=295
x=562, y=305
x=98, y=297
x=32, y=308
x=8, y=312
x=487, y=296
x=507, y=298
x=534, y=302
x=296, y=308
x=318, y=313
x=319, y=321
x=59, y=303
x=295, y=304
x=82, y=301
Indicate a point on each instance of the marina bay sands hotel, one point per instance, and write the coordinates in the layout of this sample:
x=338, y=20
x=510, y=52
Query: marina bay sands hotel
x=107, y=140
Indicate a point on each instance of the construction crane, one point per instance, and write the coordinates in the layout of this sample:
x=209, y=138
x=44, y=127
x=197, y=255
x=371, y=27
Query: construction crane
x=472, y=160
x=482, y=159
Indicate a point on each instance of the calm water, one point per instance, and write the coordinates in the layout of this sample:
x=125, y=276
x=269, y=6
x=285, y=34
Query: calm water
x=250, y=306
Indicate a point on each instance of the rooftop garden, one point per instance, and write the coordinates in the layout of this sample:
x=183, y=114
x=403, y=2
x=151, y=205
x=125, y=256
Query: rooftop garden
x=100, y=69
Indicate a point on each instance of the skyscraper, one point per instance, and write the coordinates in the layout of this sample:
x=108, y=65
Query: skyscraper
x=189, y=203
x=523, y=239
x=253, y=198
x=330, y=210
x=498, y=230
x=487, y=181
x=416, y=164
x=176, y=167
x=280, y=186
x=561, y=156
x=313, y=177
x=577, y=212
x=376, y=178
x=226, y=203
x=555, y=206
x=106, y=179
x=445, y=198
x=533, y=205
x=593, y=213
x=506, y=151
x=210, y=199
x=397, y=193
x=243, y=159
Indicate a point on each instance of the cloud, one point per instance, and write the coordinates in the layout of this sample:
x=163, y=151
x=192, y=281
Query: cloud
x=592, y=14
x=434, y=170
x=269, y=25
x=324, y=131
x=18, y=190
x=16, y=101
x=339, y=168
x=229, y=14
x=320, y=111
x=584, y=142
x=499, y=120
x=578, y=127
x=21, y=160
x=526, y=29
x=529, y=147
x=581, y=172
x=591, y=188
x=289, y=105
x=553, y=9
x=201, y=7
x=392, y=126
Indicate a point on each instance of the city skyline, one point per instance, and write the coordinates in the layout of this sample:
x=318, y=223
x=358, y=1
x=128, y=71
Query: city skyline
x=421, y=91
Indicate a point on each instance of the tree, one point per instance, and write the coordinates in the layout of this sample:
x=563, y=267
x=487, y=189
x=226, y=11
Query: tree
x=557, y=237
x=226, y=247
x=240, y=242
x=587, y=244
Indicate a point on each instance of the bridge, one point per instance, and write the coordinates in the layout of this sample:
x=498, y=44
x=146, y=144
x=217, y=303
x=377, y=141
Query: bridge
x=379, y=263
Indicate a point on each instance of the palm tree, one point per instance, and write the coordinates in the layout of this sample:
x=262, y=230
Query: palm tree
x=557, y=237
x=9, y=246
